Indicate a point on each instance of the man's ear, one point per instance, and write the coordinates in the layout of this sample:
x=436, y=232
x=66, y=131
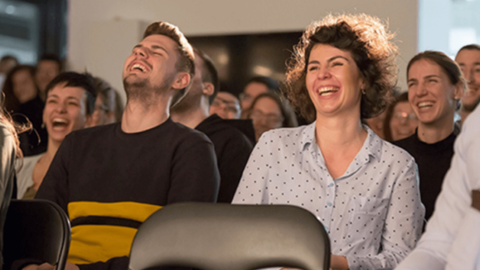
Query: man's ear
x=208, y=88
x=181, y=81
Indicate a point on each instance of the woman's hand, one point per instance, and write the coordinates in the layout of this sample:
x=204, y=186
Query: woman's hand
x=336, y=263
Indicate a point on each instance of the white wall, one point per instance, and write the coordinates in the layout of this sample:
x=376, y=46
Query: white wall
x=213, y=17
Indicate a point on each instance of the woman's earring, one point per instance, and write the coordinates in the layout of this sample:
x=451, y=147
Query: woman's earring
x=363, y=91
x=43, y=125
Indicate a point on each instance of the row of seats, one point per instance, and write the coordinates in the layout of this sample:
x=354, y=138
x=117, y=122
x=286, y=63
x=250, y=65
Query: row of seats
x=199, y=235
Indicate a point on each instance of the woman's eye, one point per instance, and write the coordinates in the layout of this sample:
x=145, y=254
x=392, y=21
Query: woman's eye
x=312, y=68
x=337, y=64
x=432, y=81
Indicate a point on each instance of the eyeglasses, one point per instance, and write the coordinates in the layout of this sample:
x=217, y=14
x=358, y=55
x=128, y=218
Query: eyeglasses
x=404, y=115
x=271, y=119
x=230, y=106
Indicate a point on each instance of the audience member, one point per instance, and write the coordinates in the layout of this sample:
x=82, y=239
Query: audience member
x=48, y=67
x=269, y=111
x=256, y=86
x=105, y=105
x=400, y=121
x=25, y=105
x=113, y=177
x=232, y=147
x=376, y=124
x=363, y=189
x=226, y=106
x=452, y=238
x=468, y=58
x=435, y=87
x=7, y=62
x=69, y=106
x=9, y=150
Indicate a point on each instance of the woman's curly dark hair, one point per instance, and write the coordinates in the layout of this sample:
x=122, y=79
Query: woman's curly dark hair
x=370, y=44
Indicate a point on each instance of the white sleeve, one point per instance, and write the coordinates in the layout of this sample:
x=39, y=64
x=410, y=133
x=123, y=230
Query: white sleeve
x=453, y=227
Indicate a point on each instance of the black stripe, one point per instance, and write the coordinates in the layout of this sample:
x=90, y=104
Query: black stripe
x=101, y=220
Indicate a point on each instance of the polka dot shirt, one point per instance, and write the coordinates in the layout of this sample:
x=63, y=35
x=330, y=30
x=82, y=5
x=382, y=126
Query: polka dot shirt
x=372, y=213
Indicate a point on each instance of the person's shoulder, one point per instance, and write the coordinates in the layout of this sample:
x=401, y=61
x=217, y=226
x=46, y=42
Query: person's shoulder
x=290, y=134
x=181, y=133
x=403, y=143
x=92, y=133
x=397, y=151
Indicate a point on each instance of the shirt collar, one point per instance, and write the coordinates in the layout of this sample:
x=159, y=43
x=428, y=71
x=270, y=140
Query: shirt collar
x=371, y=147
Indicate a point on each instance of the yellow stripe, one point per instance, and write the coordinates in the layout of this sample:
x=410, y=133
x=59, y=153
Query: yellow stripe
x=128, y=210
x=94, y=243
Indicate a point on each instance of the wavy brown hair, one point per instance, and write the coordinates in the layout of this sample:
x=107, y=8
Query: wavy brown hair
x=371, y=46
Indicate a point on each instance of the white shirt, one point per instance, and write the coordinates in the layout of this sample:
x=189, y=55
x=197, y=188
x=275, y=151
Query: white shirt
x=372, y=213
x=452, y=236
x=25, y=174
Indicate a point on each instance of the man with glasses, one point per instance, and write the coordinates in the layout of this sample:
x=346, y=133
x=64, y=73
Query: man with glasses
x=226, y=105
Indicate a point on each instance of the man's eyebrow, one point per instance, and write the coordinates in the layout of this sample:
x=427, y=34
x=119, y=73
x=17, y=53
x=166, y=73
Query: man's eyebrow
x=432, y=76
x=157, y=47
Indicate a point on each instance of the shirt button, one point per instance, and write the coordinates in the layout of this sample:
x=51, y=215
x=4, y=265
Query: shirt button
x=329, y=204
x=331, y=185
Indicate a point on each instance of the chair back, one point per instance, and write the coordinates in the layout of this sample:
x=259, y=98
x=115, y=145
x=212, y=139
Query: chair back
x=234, y=237
x=37, y=230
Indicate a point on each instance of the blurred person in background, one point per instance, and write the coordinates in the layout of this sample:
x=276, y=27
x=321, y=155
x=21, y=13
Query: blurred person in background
x=435, y=87
x=9, y=148
x=400, y=121
x=48, y=67
x=6, y=64
x=468, y=58
x=232, y=147
x=256, y=86
x=226, y=106
x=69, y=106
x=268, y=112
x=105, y=104
x=23, y=102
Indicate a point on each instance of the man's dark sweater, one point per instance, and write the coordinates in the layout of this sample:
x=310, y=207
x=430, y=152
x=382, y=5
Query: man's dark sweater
x=232, y=149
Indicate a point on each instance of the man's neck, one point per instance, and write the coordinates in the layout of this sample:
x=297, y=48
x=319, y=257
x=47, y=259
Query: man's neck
x=138, y=117
x=191, y=118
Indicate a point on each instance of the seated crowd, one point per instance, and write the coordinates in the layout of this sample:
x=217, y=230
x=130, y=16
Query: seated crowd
x=391, y=175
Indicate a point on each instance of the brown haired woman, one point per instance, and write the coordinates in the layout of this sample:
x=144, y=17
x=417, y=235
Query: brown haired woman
x=364, y=190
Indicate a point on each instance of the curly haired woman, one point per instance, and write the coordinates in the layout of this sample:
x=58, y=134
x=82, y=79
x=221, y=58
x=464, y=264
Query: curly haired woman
x=364, y=190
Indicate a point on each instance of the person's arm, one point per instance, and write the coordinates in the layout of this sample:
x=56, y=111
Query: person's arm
x=194, y=174
x=402, y=226
x=251, y=187
x=54, y=186
x=232, y=159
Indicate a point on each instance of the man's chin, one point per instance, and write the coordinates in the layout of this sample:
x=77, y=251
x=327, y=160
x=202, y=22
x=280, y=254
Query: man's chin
x=470, y=103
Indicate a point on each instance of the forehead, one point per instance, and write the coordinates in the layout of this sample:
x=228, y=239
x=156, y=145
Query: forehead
x=160, y=40
x=61, y=90
x=468, y=56
x=227, y=97
x=402, y=106
x=267, y=105
x=47, y=64
x=425, y=67
x=327, y=51
x=256, y=88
